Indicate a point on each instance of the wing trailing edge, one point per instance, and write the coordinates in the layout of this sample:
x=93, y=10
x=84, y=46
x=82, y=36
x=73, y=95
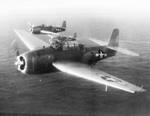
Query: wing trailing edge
x=95, y=75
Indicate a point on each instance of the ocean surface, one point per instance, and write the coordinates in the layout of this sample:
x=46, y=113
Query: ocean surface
x=62, y=94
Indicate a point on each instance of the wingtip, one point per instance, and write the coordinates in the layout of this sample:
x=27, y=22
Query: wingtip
x=136, y=54
x=143, y=90
x=140, y=90
x=15, y=30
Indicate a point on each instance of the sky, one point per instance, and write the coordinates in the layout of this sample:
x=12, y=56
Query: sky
x=124, y=9
x=120, y=12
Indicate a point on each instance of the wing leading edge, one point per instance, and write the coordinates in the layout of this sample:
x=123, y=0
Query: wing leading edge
x=95, y=75
x=30, y=41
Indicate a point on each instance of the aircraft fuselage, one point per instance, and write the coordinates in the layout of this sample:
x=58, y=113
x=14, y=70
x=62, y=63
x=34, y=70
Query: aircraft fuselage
x=40, y=61
x=37, y=29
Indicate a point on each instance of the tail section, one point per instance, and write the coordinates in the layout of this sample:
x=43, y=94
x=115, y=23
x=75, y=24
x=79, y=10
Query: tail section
x=75, y=35
x=114, y=39
x=64, y=24
x=114, y=45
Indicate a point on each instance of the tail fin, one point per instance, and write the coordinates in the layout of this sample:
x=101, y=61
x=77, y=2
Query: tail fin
x=114, y=44
x=64, y=24
x=75, y=35
x=114, y=39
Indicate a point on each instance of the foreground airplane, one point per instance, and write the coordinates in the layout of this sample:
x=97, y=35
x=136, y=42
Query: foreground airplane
x=43, y=29
x=68, y=56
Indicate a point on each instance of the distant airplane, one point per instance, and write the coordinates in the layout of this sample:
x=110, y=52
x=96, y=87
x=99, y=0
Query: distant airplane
x=43, y=29
x=72, y=57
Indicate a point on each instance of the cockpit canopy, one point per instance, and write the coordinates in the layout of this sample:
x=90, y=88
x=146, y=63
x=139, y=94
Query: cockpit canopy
x=70, y=45
x=64, y=43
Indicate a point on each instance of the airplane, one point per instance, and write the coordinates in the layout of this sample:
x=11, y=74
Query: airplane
x=43, y=29
x=73, y=58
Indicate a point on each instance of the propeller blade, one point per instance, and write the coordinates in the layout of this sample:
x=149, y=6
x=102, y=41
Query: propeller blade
x=30, y=25
x=15, y=47
x=17, y=52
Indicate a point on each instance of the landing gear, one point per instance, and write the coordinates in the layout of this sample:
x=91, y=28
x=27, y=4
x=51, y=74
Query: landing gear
x=106, y=88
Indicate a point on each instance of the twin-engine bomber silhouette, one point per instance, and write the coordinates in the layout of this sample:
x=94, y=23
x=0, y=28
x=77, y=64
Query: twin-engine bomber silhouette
x=70, y=56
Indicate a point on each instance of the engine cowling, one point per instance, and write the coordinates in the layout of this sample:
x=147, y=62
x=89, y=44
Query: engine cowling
x=33, y=63
x=36, y=30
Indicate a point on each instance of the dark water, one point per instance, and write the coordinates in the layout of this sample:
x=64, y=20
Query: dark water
x=62, y=94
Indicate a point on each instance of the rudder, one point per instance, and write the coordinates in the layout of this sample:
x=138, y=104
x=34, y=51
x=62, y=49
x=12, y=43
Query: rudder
x=114, y=39
x=64, y=24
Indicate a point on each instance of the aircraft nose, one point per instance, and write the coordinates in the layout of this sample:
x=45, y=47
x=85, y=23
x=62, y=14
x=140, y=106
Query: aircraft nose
x=18, y=62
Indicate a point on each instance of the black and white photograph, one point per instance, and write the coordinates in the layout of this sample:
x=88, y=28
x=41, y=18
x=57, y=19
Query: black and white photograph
x=74, y=58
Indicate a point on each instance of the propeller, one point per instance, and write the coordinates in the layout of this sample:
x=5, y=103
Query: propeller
x=14, y=47
x=31, y=26
x=13, y=51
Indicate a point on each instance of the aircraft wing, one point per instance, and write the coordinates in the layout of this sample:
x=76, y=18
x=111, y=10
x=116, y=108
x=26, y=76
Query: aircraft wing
x=95, y=75
x=30, y=41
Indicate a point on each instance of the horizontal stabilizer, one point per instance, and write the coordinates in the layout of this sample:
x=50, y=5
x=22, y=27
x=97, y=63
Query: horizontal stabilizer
x=118, y=49
x=95, y=75
x=124, y=51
